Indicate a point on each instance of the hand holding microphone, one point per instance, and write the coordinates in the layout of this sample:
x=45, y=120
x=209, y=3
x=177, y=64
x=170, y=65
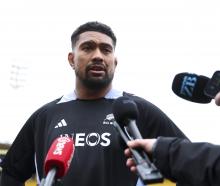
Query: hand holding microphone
x=58, y=160
x=125, y=112
x=146, y=144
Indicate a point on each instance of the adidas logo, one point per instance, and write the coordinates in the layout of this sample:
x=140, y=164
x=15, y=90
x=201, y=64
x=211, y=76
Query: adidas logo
x=62, y=123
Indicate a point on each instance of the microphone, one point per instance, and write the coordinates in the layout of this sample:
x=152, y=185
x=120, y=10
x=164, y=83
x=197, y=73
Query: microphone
x=58, y=159
x=125, y=112
x=191, y=87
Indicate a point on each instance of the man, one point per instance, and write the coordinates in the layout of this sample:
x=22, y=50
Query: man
x=85, y=114
x=182, y=161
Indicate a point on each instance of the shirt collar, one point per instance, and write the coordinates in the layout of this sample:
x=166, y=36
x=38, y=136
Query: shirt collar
x=112, y=94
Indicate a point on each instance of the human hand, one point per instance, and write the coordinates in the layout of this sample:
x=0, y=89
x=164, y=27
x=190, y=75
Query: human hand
x=146, y=144
x=217, y=99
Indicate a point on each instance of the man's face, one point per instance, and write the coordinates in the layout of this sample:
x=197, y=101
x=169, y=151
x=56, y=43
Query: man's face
x=93, y=59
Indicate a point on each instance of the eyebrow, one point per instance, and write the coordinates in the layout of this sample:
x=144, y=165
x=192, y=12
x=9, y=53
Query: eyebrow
x=92, y=42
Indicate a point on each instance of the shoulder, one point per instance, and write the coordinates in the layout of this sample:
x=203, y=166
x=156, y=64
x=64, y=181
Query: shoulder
x=48, y=107
x=141, y=102
x=146, y=108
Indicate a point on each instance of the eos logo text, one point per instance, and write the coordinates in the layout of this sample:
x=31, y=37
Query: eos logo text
x=92, y=139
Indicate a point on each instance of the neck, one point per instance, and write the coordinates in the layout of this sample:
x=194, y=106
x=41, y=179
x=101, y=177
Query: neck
x=85, y=93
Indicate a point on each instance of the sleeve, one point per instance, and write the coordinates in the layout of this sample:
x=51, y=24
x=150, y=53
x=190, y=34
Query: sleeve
x=189, y=163
x=153, y=122
x=18, y=164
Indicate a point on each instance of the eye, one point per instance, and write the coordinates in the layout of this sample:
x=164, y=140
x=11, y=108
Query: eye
x=86, y=48
x=106, y=50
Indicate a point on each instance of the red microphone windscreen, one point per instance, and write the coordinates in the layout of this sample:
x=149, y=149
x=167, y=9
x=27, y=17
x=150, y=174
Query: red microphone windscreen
x=59, y=156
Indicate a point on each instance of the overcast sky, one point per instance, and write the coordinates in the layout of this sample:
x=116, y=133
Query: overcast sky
x=156, y=40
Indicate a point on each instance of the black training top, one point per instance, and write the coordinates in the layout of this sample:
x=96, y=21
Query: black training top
x=98, y=158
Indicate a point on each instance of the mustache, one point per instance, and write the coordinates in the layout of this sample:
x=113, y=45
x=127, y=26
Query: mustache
x=96, y=64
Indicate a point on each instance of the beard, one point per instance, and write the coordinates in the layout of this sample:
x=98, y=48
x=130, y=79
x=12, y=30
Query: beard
x=94, y=83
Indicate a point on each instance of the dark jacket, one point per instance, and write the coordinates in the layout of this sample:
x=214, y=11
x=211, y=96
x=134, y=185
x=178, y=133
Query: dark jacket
x=197, y=164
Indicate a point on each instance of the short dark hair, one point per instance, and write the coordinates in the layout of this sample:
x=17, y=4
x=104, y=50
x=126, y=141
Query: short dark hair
x=93, y=26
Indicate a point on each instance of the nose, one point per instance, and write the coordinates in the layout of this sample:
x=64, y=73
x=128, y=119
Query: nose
x=97, y=55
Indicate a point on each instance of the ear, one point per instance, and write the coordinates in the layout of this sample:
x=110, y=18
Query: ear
x=116, y=62
x=71, y=60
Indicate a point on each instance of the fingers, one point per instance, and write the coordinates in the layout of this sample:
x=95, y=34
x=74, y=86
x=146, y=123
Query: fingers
x=131, y=164
x=136, y=143
x=127, y=152
x=217, y=99
x=146, y=144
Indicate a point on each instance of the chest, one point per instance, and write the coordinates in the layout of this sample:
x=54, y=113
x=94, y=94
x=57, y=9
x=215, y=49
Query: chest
x=88, y=123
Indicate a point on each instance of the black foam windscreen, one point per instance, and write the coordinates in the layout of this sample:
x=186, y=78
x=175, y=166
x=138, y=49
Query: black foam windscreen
x=191, y=87
x=124, y=109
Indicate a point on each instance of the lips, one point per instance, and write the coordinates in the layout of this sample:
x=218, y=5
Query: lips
x=96, y=70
